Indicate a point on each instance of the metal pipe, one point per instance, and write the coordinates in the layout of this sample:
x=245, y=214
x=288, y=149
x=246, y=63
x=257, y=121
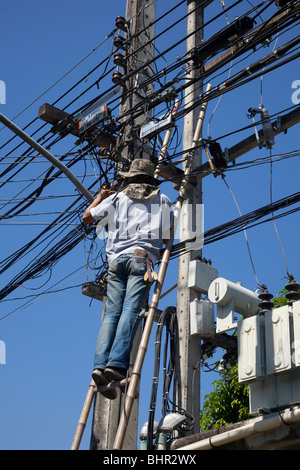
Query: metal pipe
x=48, y=155
x=255, y=427
x=136, y=373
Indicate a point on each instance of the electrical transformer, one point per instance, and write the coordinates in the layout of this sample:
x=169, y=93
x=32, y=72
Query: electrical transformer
x=250, y=349
x=269, y=357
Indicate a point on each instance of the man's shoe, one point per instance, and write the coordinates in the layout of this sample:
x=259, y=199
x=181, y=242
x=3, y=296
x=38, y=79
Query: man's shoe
x=100, y=379
x=114, y=374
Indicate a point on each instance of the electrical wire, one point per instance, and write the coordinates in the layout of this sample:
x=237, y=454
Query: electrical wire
x=275, y=226
x=236, y=225
x=184, y=38
x=229, y=73
x=47, y=260
x=41, y=295
x=60, y=79
x=245, y=233
x=166, y=320
x=20, y=207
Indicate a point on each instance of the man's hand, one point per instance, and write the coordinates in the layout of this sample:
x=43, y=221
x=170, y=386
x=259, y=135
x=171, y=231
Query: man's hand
x=104, y=193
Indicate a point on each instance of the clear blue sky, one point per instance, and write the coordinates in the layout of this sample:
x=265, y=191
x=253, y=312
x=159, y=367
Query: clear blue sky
x=50, y=343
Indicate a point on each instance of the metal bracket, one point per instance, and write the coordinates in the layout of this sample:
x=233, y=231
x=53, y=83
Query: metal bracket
x=278, y=124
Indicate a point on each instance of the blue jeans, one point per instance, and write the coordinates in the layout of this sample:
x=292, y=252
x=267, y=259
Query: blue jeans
x=126, y=293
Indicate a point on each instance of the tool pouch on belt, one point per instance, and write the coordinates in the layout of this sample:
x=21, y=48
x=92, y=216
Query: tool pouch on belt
x=149, y=275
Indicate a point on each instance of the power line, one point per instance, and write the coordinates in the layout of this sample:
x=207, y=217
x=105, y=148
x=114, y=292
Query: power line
x=66, y=244
x=248, y=220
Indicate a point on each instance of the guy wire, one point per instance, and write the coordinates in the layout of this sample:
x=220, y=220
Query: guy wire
x=275, y=227
x=245, y=233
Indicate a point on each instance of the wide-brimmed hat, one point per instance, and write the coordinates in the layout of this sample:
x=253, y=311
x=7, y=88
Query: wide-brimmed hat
x=138, y=167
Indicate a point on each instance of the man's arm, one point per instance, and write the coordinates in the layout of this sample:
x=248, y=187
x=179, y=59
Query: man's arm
x=87, y=217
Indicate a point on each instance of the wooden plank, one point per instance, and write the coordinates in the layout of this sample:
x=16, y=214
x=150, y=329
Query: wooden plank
x=51, y=114
x=55, y=116
x=258, y=34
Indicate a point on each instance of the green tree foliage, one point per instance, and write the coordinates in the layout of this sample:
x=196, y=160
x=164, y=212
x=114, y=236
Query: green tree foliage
x=280, y=300
x=227, y=404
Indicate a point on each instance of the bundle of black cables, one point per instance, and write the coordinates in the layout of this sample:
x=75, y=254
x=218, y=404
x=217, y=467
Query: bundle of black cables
x=167, y=319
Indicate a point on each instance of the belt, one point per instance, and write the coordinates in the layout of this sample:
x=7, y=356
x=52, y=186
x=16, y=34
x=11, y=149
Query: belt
x=140, y=252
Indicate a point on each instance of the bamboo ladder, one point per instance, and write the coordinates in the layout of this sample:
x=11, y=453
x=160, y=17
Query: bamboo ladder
x=136, y=372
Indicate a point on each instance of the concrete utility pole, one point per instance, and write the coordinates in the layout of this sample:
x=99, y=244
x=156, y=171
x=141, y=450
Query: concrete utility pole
x=187, y=371
x=140, y=31
x=140, y=14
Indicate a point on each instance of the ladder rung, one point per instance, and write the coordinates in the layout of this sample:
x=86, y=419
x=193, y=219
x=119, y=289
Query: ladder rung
x=120, y=383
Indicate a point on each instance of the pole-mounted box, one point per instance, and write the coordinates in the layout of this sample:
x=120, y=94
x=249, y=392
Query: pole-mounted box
x=202, y=318
x=201, y=276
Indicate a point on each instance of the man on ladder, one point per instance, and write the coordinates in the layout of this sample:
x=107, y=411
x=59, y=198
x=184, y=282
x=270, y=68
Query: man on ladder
x=139, y=222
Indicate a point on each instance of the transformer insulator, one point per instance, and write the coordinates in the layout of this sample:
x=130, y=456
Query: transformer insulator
x=121, y=23
x=119, y=59
x=116, y=77
x=265, y=304
x=119, y=42
x=104, y=152
x=293, y=291
x=267, y=128
x=115, y=155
